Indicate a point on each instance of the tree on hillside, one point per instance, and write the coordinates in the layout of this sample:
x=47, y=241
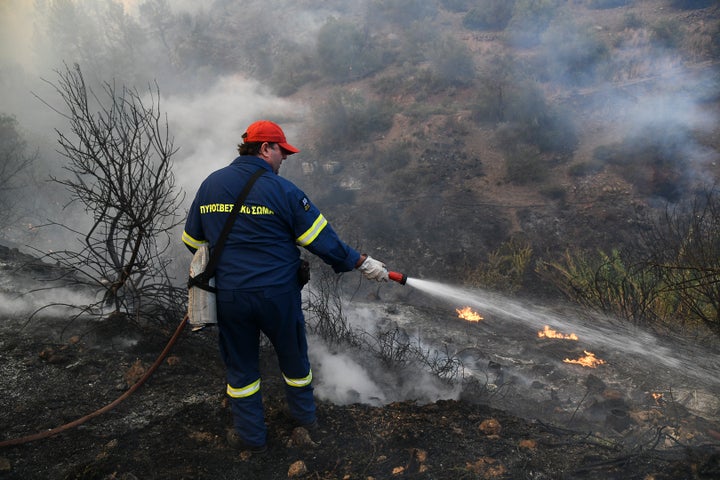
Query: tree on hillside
x=451, y=62
x=348, y=118
x=98, y=34
x=347, y=51
x=15, y=161
x=118, y=151
x=530, y=19
x=489, y=15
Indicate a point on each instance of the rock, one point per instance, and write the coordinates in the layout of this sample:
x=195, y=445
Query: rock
x=528, y=444
x=134, y=373
x=490, y=427
x=300, y=437
x=296, y=469
x=487, y=467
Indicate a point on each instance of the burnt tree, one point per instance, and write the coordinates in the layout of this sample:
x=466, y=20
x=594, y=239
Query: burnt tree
x=15, y=162
x=118, y=151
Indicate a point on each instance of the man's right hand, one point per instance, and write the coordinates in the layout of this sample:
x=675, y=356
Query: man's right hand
x=374, y=270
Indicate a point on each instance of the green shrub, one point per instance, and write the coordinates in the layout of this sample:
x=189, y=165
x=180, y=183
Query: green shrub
x=632, y=20
x=666, y=34
x=531, y=120
x=524, y=165
x=505, y=268
x=292, y=68
x=691, y=4
x=607, y=154
x=451, y=63
x=401, y=12
x=392, y=158
x=654, y=161
x=581, y=169
x=456, y=5
x=602, y=4
x=496, y=79
x=346, y=52
x=605, y=282
x=572, y=53
x=554, y=192
x=530, y=19
x=348, y=118
x=489, y=15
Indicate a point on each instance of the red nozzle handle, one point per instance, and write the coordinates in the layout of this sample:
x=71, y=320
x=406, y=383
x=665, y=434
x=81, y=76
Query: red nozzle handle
x=401, y=278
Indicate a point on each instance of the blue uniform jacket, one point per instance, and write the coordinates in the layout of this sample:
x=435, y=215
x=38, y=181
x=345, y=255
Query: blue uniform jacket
x=277, y=217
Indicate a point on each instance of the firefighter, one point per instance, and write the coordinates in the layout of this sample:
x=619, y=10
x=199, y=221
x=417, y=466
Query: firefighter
x=257, y=276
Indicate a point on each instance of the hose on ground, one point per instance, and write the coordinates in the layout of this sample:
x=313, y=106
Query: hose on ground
x=109, y=406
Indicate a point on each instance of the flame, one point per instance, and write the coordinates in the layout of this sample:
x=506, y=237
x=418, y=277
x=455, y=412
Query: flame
x=589, y=360
x=467, y=314
x=658, y=397
x=550, y=333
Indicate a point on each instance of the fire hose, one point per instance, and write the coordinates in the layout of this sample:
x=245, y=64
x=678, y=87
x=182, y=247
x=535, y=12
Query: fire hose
x=398, y=277
x=109, y=406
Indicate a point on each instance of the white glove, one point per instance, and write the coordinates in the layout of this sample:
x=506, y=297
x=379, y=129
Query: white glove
x=374, y=270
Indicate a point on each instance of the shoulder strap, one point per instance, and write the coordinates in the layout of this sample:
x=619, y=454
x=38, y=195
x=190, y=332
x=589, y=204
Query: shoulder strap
x=215, y=255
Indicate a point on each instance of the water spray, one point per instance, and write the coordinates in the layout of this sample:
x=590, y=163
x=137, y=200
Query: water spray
x=398, y=277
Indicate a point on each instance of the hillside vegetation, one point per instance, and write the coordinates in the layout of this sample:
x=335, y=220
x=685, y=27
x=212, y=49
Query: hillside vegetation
x=530, y=146
x=526, y=146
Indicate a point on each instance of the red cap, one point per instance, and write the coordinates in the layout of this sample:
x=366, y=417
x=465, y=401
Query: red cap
x=267, y=131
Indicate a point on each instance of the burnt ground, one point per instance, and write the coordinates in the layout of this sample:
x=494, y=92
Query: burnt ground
x=174, y=425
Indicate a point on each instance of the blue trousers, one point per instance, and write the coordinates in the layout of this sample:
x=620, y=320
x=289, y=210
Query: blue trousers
x=277, y=312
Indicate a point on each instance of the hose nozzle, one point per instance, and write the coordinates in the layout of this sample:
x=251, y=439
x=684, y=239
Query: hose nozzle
x=401, y=278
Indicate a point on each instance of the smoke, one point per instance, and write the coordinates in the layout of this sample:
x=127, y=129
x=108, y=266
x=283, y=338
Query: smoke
x=207, y=126
x=54, y=302
x=15, y=36
x=341, y=379
x=642, y=93
x=354, y=376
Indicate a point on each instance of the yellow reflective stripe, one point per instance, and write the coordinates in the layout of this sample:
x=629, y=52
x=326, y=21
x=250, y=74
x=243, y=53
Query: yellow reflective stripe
x=192, y=242
x=244, y=391
x=299, y=382
x=311, y=234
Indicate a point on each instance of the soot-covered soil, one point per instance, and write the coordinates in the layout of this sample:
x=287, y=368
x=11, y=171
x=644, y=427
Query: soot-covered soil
x=173, y=426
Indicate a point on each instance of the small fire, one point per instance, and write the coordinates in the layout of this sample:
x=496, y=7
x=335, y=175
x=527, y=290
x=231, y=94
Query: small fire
x=658, y=397
x=467, y=314
x=550, y=333
x=589, y=360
